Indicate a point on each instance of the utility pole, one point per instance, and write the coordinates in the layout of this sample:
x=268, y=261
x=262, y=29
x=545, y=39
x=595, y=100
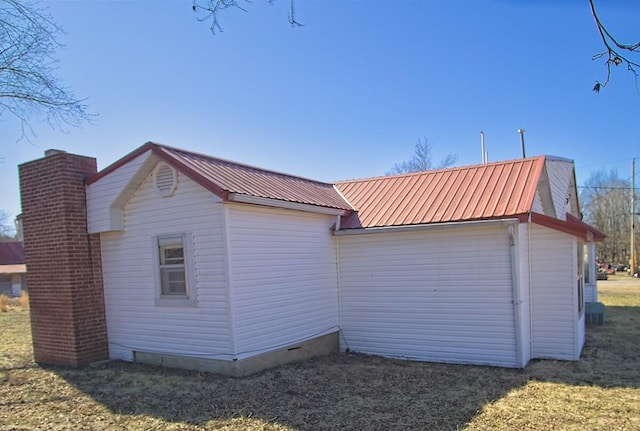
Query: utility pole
x=632, y=260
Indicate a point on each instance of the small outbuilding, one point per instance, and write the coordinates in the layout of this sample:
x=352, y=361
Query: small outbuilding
x=215, y=265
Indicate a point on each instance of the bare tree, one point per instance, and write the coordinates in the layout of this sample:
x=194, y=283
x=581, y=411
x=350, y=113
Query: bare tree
x=615, y=53
x=7, y=231
x=422, y=160
x=29, y=86
x=607, y=206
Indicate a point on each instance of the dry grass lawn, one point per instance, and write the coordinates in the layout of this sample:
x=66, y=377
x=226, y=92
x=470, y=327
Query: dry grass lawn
x=346, y=391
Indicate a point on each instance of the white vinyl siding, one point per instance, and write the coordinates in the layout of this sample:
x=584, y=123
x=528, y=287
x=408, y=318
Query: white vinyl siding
x=561, y=182
x=553, y=294
x=102, y=193
x=284, y=280
x=537, y=203
x=134, y=321
x=433, y=295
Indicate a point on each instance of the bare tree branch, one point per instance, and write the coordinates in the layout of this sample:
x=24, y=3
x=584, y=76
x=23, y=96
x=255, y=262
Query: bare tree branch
x=616, y=53
x=212, y=9
x=7, y=230
x=29, y=86
x=292, y=14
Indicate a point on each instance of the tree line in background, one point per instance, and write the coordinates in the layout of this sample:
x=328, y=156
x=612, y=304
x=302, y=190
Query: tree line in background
x=606, y=204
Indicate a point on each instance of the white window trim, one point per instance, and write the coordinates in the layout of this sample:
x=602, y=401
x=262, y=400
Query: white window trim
x=190, y=300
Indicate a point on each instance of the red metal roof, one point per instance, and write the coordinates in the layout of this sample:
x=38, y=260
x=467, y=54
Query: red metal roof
x=11, y=253
x=479, y=192
x=224, y=177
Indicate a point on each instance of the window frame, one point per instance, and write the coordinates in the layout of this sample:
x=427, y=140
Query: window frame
x=161, y=267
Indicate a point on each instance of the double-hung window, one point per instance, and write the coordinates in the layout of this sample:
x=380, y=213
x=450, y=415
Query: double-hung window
x=173, y=270
x=173, y=277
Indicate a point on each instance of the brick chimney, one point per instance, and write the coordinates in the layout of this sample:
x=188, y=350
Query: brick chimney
x=63, y=261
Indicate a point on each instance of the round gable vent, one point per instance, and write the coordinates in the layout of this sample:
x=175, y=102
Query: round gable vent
x=165, y=179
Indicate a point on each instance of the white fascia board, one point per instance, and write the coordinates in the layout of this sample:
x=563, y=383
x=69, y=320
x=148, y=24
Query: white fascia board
x=433, y=226
x=236, y=197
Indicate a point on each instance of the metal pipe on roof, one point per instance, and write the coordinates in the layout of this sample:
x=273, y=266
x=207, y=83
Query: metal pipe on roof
x=521, y=131
x=482, y=143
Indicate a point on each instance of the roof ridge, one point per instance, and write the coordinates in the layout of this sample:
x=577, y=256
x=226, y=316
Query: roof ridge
x=430, y=171
x=233, y=162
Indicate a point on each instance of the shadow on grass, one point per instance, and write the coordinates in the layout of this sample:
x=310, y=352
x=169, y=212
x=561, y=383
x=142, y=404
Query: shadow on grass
x=352, y=391
x=347, y=391
x=610, y=356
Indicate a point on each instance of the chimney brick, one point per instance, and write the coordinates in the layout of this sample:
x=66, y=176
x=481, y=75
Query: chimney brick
x=63, y=262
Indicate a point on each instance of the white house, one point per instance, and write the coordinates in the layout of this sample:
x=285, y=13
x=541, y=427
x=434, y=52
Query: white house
x=215, y=265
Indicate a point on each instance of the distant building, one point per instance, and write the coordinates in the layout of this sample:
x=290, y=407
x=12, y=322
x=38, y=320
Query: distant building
x=12, y=268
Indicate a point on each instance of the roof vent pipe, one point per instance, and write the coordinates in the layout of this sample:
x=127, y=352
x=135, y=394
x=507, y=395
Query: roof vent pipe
x=484, y=153
x=521, y=131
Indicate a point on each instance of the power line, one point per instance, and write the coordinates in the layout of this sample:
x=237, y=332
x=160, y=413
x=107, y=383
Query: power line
x=604, y=187
x=626, y=159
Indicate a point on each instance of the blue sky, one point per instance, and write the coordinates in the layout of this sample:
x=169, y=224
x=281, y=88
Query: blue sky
x=348, y=94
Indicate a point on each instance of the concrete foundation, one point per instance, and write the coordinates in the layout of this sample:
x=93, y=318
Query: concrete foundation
x=320, y=346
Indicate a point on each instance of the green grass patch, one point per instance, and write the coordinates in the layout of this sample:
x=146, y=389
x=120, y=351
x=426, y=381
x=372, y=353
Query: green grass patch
x=345, y=391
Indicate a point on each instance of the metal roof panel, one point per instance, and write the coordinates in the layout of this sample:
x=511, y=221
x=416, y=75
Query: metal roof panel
x=231, y=177
x=478, y=192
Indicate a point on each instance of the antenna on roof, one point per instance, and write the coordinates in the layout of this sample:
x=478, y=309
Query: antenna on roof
x=521, y=131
